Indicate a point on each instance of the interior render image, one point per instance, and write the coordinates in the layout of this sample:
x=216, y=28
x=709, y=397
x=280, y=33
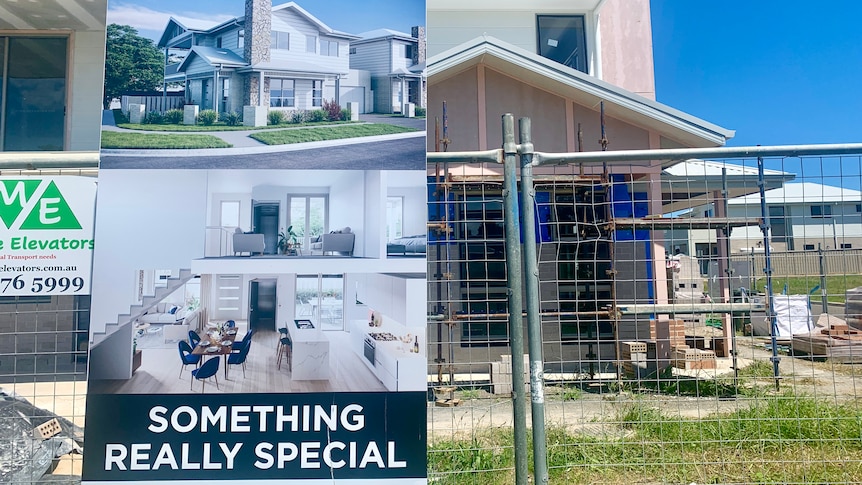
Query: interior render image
x=239, y=290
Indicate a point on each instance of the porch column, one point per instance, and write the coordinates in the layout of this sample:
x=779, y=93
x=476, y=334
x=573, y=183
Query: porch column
x=337, y=90
x=260, y=90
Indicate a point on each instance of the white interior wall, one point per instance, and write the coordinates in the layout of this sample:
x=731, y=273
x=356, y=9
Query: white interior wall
x=85, y=103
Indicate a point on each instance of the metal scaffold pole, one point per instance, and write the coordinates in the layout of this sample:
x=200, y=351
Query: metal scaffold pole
x=770, y=303
x=534, y=319
x=515, y=297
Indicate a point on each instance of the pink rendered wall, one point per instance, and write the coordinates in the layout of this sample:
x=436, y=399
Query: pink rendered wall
x=626, y=45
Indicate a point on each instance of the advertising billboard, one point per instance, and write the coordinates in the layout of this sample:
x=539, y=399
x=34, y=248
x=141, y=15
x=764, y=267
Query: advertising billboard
x=258, y=309
x=46, y=235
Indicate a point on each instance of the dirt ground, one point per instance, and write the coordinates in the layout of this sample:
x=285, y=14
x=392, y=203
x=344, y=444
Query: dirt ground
x=595, y=413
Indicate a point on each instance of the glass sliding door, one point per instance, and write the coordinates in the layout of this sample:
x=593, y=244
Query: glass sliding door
x=34, y=94
x=320, y=298
x=308, y=216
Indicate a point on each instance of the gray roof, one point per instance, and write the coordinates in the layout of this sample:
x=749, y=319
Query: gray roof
x=213, y=56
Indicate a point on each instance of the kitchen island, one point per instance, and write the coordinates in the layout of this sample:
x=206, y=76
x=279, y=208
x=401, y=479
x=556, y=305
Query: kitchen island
x=310, y=352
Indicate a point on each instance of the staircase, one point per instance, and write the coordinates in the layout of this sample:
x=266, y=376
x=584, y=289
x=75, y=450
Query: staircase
x=148, y=301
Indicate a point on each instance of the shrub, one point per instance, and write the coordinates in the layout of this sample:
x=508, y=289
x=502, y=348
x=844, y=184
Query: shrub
x=173, y=116
x=275, y=117
x=153, y=118
x=316, y=116
x=345, y=114
x=332, y=109
x=207, y=117
x=120, y=117
x=297, y=116
x=419, y=111
x=231, y=119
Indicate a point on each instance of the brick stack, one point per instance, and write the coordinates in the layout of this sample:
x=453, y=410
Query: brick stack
x=639, y=359
x=685, y=357
x=501, y=375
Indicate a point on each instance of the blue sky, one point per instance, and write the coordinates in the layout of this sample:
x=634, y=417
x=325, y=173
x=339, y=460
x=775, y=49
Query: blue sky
x=352, y=16
x=776, y=72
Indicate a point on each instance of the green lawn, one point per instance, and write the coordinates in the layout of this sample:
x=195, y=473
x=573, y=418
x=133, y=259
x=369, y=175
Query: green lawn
x=113, y=139
x=779, y=439
x=223, y=127
x=836, y=285
x=284, y=137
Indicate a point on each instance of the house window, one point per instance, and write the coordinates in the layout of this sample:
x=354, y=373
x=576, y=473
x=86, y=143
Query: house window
x=846, y=246
x=778, y=223
x=858, y=207
x=229, y=213
x=320, y=298
x=352, y=50
x=311, y=43
x=240, y=39
x=225, y=91
x=218, y=42
x=394, y=217
x=308, y=216
x=317, y=93
x=282, y=93
x=821, y=211
x=279, y=40
x=562, y=38
x=408, y=51
x=328, y=48
x=809, y=247
x=33, y=97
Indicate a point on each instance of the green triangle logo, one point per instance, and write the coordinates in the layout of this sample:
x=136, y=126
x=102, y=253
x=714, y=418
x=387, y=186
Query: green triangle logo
x=13, y=195
x=51, y=212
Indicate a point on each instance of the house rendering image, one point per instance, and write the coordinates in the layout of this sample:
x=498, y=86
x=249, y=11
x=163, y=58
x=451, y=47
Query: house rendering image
x=353, y=311
x=283, y=58
x=562, y=68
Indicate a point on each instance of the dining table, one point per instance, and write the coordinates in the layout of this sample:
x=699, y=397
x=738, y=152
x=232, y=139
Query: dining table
x=216, y=342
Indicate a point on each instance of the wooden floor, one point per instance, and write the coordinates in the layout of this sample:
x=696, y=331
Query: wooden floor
x=160, y=372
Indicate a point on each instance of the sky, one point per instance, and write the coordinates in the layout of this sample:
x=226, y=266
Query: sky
x=785, y=72
x=151, y=16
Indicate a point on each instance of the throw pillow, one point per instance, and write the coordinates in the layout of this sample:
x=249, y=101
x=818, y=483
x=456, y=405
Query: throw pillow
x=173, y=310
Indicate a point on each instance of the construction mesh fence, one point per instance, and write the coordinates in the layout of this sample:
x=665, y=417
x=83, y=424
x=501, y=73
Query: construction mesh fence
x=749, y=372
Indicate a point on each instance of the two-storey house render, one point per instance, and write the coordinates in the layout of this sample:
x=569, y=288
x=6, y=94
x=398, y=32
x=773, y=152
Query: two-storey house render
x=396, y=62
x=278, y=57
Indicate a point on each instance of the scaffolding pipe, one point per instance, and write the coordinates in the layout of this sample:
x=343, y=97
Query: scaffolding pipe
x=542, y=158
x=770, y=312
x=515, y=295
x=534, y=318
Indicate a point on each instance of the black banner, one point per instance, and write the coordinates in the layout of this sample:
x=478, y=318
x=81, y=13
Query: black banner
x=255, y=436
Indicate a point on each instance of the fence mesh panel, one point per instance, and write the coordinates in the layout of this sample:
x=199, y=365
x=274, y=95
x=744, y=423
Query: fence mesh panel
x=639, y=396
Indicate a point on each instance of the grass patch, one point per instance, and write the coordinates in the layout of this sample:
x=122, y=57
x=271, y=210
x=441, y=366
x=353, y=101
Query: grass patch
x=470, y=394
x=757, y=369
x=221, y=126
x=284, y=137
x=779, y=439
x=836, y=285
x=113, y=139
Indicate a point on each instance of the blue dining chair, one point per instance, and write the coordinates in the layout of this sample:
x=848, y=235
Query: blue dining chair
x=205, y=371
x=186, y=356
x=194, y=338
x=231, y=324
x=238, y=358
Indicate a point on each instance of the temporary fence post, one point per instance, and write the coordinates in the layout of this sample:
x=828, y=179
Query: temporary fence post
x=770, y=304
x=534, y=320
x=514, y=278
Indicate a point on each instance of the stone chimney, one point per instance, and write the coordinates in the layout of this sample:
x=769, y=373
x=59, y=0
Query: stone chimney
x=258, y=30
x=418, y=32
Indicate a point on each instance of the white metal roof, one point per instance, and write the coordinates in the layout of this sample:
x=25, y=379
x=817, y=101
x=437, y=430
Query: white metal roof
x=802, y=193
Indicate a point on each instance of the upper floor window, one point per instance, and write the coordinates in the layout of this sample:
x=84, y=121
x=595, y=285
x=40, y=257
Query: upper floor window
x=311, y=43
x=280, y=40
x=328, y=48
x=563, y=38
x=408, y=51
x=821, y=211
x=858, y=207
x=282, y=93
x=240, y=39
x=352, y=50
x=218, y=42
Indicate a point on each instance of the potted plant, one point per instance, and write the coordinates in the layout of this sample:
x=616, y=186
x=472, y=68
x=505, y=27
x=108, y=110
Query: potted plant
x=287, y=241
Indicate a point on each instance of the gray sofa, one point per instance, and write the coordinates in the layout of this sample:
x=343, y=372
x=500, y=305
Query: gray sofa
x=336, y=242
x=247, y=243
